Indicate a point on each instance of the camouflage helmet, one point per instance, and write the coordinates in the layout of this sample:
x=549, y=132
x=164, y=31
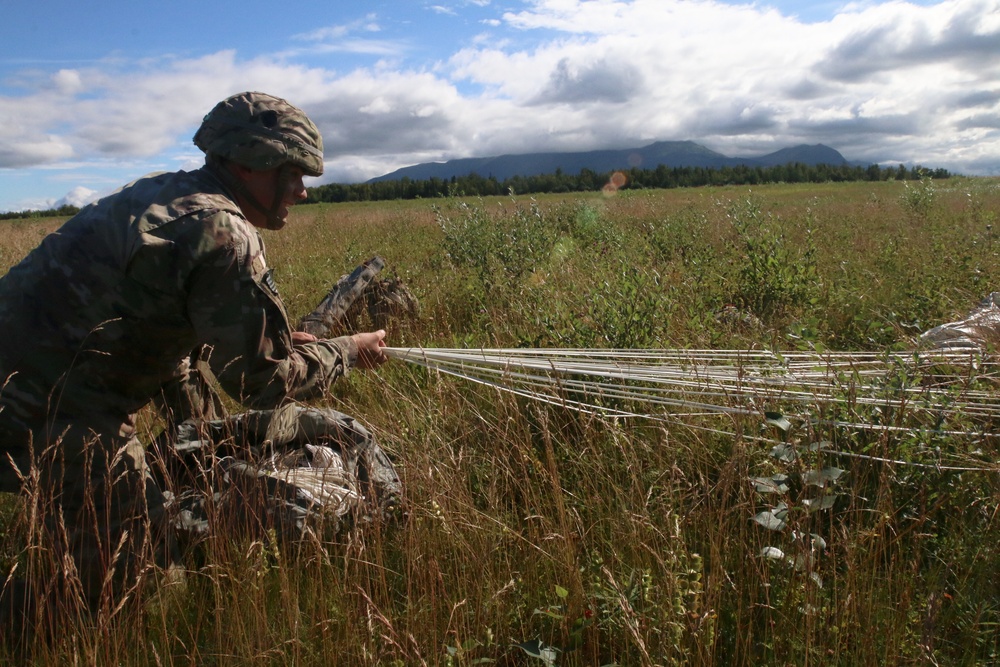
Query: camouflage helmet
x=260, y=131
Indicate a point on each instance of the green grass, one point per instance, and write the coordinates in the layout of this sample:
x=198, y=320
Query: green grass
x=617, y=542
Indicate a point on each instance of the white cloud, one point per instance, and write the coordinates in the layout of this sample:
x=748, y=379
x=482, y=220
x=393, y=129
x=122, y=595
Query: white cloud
x=67, y=81
x=889, y=81
x=729, y=76
x=78, y=196
x=377, y=106
x=42, y=150
x=367, y=24
x=344, y=38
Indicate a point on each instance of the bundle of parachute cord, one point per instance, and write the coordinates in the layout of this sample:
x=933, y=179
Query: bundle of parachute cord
x=932, y=395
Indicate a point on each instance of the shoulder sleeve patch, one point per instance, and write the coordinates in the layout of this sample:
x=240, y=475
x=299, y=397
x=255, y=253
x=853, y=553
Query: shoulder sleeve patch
x=258, y=266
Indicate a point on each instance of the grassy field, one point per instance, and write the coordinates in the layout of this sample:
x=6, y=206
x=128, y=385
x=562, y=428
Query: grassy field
x=540, y=536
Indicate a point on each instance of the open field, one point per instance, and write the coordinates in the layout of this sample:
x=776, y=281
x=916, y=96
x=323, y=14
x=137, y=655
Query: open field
x=597, y=541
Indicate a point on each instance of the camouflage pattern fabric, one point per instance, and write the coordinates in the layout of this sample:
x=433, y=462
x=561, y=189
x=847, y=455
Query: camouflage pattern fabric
x=103, y=314
x=191, y=394
x=302, y=472
x=261, y=132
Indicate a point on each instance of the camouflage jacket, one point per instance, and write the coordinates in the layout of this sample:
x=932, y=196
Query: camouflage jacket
x=103, y=313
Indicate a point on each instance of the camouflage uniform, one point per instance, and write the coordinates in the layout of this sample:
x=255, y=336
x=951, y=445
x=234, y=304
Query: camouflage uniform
x=104, y=314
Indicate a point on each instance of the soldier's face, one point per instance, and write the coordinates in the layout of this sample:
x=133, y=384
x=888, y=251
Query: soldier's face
x=282, y=186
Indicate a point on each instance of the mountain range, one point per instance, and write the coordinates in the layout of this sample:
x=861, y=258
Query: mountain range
x=668, y=153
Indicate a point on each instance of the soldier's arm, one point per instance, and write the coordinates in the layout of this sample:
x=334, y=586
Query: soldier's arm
x=235, y=309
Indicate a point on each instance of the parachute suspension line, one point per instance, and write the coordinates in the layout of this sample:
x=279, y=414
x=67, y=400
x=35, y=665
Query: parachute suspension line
x=934, y=392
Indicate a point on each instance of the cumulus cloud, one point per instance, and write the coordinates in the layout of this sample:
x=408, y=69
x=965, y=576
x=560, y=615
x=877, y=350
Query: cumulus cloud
x=67, y=81
x=43, y=150
x=589, y=83
x=739, y=77
x=895, y=37
x=885, y=82
x=140, y=113
x=371, y=113
x=78, y=196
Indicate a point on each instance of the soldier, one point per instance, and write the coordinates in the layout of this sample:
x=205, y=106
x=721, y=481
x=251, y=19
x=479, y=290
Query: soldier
x=105, y=313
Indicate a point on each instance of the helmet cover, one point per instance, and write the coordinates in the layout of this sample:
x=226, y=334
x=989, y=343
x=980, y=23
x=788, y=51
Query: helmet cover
x=261, y=132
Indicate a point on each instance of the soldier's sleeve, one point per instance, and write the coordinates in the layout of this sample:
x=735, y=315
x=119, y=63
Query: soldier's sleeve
x=234, y=307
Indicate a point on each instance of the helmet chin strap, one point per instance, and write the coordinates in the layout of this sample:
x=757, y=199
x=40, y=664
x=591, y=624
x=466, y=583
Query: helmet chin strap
x=271, y=218
x=281, y=181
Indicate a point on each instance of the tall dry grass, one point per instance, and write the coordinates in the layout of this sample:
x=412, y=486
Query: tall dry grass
x=540, y=535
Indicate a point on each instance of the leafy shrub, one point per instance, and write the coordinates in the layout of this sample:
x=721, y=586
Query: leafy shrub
x=680, y=237
x=500, y=246
x=773, y=275
x=628, y=311
x=587, y=224
x=918, y=198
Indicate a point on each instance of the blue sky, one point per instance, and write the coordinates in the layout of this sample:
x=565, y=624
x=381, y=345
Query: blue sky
x=93, y=95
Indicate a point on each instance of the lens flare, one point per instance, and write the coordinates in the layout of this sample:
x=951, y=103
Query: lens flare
x=615, y=183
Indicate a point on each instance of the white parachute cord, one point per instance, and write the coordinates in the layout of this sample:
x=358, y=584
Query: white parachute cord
x=733, y=382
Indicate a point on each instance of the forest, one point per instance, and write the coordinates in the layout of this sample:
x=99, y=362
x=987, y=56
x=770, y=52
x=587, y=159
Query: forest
x=475, y=185
x=662, y=177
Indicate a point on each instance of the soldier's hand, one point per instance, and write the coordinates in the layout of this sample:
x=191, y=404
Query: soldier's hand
x=301, y=338
x=370, y=354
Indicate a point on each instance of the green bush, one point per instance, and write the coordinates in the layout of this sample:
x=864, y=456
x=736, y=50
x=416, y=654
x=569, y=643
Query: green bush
x=500, y=246
x=773, y=275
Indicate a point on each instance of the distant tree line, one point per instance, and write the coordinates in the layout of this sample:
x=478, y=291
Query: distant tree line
x=589, y=181
x=67, y=210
